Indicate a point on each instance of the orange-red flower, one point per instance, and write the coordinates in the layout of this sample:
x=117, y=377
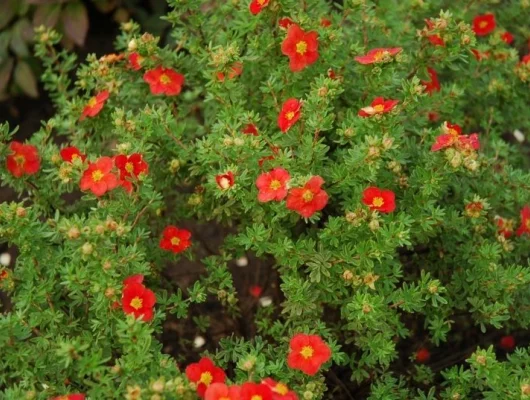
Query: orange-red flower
x=135, y=61
x=451, y=136
x=98, y=177
x=236, y=69
x=175, y=239
x=307, y=353
x=378, y=106
x=130, y=166
x=505, y=226
x=285, y=23
x=507, y=343
x=435, y=39
x=308, y=199
x=255, y=391
x=225, y=181
x=3, y=274
x=301, y=47
x=71, y=153
x=422, y=355
x=507, y=37
x=220, y=391
x=256, y=6
x=164, y=81
x=325, y=22
x=272, y=185
x=378, y=55
x=280, y=391
x=136, y=299
x=74, y=396
x=94, y=105
x=480, y=55
x=525, y=221
x=289, y=114
x=23, y=160
x=379, y=199
x=484, y=24
x=204, y=373
x=433, y=85
x=250, y=129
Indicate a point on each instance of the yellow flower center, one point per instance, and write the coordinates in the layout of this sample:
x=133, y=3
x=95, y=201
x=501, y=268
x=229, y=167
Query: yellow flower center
x=137, y=303
x=224, y=183
x=129, y=167
x=307, y=196
x=301, y=47
x=164, y=79
x=97, y=175
x=206, y=378
x=275, y=184
x=74, y=157
x=527, y=223
x=280, y=388
x=256, y=397
x=307, y=352
x=92, y=102
x=378, y=201
x=175, y=241
x=380, y=55
x=260, y=2
x=20, y=159
x=379, y=108
x=483, y=24
x=289, y=115
x=453, y=132
x=224, y=398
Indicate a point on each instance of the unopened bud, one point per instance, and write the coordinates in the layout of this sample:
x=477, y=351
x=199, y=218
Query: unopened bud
x=131, y=46
x=87, y=248
x=100, y=229
x=20, y=212
x=74, y=232
x=482, y=360
x=433, y=289
x=109, y=292
x=157, y=386
x=525, y=389
x=373, y=225
x=347, y=275
x=239, y=142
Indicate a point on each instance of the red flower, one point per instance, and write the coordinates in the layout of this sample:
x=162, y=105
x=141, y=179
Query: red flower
x=175, y=239
x=289, y=114
x=23, y=160
x=325, y=22
x=236, y=69
x=433, y=116
x=138, y=278
x=250, y=129
x=135, y=61
x=255, y=391
x=94, y=105
x=379, y=199
x=132, y=165
x=273, y=185
x=525, y=59
x=435, y=39
x=75, y=396
x=204, y=373
x=450, y=136
x=279, y=390
x=505, y=227
x=378, y=106
x=285, y=23
x=507, y=343
x=225, y=181
x=433, y=85
x=308, y=199
x=484, y=24
x=468, y=142
x=3, y=274
x=507, y=37
x=164, y=81
x=308, y=353
x=378, y=55
x=219, y=391
x=300, y=47
x=257, y=5
x=423, y=355
x=136, y=299
x=255, y=291
x=69, y=154
x=98, y=177
x=525, y=221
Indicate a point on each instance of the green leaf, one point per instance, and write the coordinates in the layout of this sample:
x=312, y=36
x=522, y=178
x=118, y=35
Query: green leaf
x=75, y=22
x=25, y=79
x=8, y=11
x=5, y=73
x=47, y=15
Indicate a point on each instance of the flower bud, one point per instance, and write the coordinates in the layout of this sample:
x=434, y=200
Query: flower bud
x=239, y=142
x=308, y=395
x=100, y=229
x=367, y=308
x=433, y=289
x=373, y=225
x=87, y=248
x=482, y=360
x=74, y=233
x=157, y=386
x=132, y=45
x=347, y=275
x=525, y=389
x=20, y=212
x=109, y=292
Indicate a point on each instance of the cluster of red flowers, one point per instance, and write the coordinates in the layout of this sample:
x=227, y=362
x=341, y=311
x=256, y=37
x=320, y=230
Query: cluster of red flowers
x=307, y=354
x=483, y=25
x=452, y=137
x=136, y=299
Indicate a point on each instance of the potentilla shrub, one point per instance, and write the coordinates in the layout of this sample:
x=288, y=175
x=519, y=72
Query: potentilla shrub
x=357, y=145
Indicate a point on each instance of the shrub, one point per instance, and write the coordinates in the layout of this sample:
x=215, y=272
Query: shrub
x=357, y=149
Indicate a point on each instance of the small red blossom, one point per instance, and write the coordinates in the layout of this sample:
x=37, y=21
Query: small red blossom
x=71, y=153
x=255, y=291
x=507, y=343
x=135, y=61
x=94, y=105
x=280, y=391
x=285, y=23
x=74, y=396
x=525, y=222
x=272, y=185
x=484, y=24
x=468, y=142
x=164, y=81
x=505, y=227
x=422, y=355
x=507, y=37
x=3, y=274
x=378, y=106
x=204, y=373
x=23, y=160
x=474, y=209
x=236, y=69
x=289, y=114
x=130, y=166
x=220, y=391
x=378, y=55
x=136, y=299
x=138, y=278
x=307, y=353
x=301, y=47
x=256, y=6
x=98, y=177
x=332, y=74
x=250, y=129
x=308, y=199
x=480, y=55
x=436, y=40
x=433, y=116
x=526, y=59
x=433, y=85
x=225, y=181
x=255, y=391
x=379, y=199
x=325, y=22
x=175, y=239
